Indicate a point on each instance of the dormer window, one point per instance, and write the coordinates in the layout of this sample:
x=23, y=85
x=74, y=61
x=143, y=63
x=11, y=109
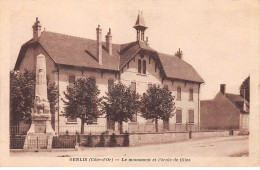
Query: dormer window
x=141, y=66
x=144, y=67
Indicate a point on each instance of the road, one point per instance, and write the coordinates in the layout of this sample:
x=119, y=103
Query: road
x=210, y=147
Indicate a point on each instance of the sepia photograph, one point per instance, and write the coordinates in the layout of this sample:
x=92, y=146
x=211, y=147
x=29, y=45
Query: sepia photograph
x=130, y=83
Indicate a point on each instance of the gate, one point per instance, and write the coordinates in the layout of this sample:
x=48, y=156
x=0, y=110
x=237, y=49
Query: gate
x=64, y=142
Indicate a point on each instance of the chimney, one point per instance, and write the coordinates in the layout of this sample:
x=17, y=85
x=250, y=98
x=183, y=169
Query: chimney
x=99, y=44
x=146, y=41
x=223, y=88
x=179, y=53
x=109, y=42
x=36, y=29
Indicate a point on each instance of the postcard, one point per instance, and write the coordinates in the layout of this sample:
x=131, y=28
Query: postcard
x=129, y=83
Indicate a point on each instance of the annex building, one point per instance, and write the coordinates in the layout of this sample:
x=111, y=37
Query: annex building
x=135, y=64
x=225, y=111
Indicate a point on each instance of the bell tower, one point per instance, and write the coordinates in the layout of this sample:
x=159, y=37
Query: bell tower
x=140, y=27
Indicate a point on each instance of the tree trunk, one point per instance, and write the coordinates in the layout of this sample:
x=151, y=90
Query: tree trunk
x=82, y=126
x=121, y=127
x=156, y=124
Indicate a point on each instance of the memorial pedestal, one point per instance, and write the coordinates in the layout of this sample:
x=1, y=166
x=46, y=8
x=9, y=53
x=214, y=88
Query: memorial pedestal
x=40, y=134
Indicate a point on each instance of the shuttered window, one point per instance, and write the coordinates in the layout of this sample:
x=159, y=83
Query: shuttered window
x=71, y=120
x=134, y=117
x=191, y=94
x=178, y=93
x=93, y=79
x=144, y=67
x=166, y=124
x=133, y=86
x=139, y=66
x=191, y=116
x=71, y=81
x=178, y=116
x=110, y=84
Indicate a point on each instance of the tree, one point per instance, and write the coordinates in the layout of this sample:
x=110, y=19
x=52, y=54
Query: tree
x=121, y=104
x=22, y=93
x=157, y=103
x=245, y=89
x=22, y=89
x=82, y=101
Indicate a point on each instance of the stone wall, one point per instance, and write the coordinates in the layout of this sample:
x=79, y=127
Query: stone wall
x=156, y=138
x=167, y=137
x=208, y=134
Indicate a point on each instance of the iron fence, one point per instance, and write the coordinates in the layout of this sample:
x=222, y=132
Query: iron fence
x=19, y=130
x=98, y=129
x=17, y=142
x=64, y=142
x=73, y=129
x=151, y=128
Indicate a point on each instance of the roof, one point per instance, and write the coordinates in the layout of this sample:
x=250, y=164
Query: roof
x=237, y=100
x=140, y=21
x=179, y=69
x=220, y=103
x=81, y=52
x=67, y=50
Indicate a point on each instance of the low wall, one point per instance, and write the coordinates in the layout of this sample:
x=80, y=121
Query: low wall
x=167, y=137
x=206, y=134
x=136, y=139
x=83, y=140
x=154, y=138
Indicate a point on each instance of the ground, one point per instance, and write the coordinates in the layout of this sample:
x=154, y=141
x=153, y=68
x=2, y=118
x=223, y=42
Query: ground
x=232, y=146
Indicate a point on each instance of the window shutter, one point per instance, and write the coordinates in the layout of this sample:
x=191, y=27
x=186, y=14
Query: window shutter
x=144, y=66
x=71, y=120
x=110, y=84
x=191, y=94
x=179, y=116
x=139, y=66
x=191, y=116
x=71, y=81
x=179, y=93
x=133, y=86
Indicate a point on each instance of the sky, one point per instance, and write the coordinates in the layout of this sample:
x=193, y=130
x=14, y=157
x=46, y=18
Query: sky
x=219, y=38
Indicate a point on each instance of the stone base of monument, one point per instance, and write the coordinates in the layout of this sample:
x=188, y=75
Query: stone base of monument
x=40, y=135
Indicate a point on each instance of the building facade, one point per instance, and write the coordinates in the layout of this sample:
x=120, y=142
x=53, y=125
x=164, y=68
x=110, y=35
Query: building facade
x=134, y=64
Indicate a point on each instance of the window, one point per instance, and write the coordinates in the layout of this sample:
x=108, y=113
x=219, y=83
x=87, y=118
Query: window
x=178, y=116
x=144, y=67
x=166, y=124
x=191, y=94
x=139, y=66
x=71, y=81
x=71, y=120
x=191, y=116
x=110, y=84
x=133, y=86
x=91, y=119
x=178, y=93
x=93, y=79
x=134, y=117
x=149, y=85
